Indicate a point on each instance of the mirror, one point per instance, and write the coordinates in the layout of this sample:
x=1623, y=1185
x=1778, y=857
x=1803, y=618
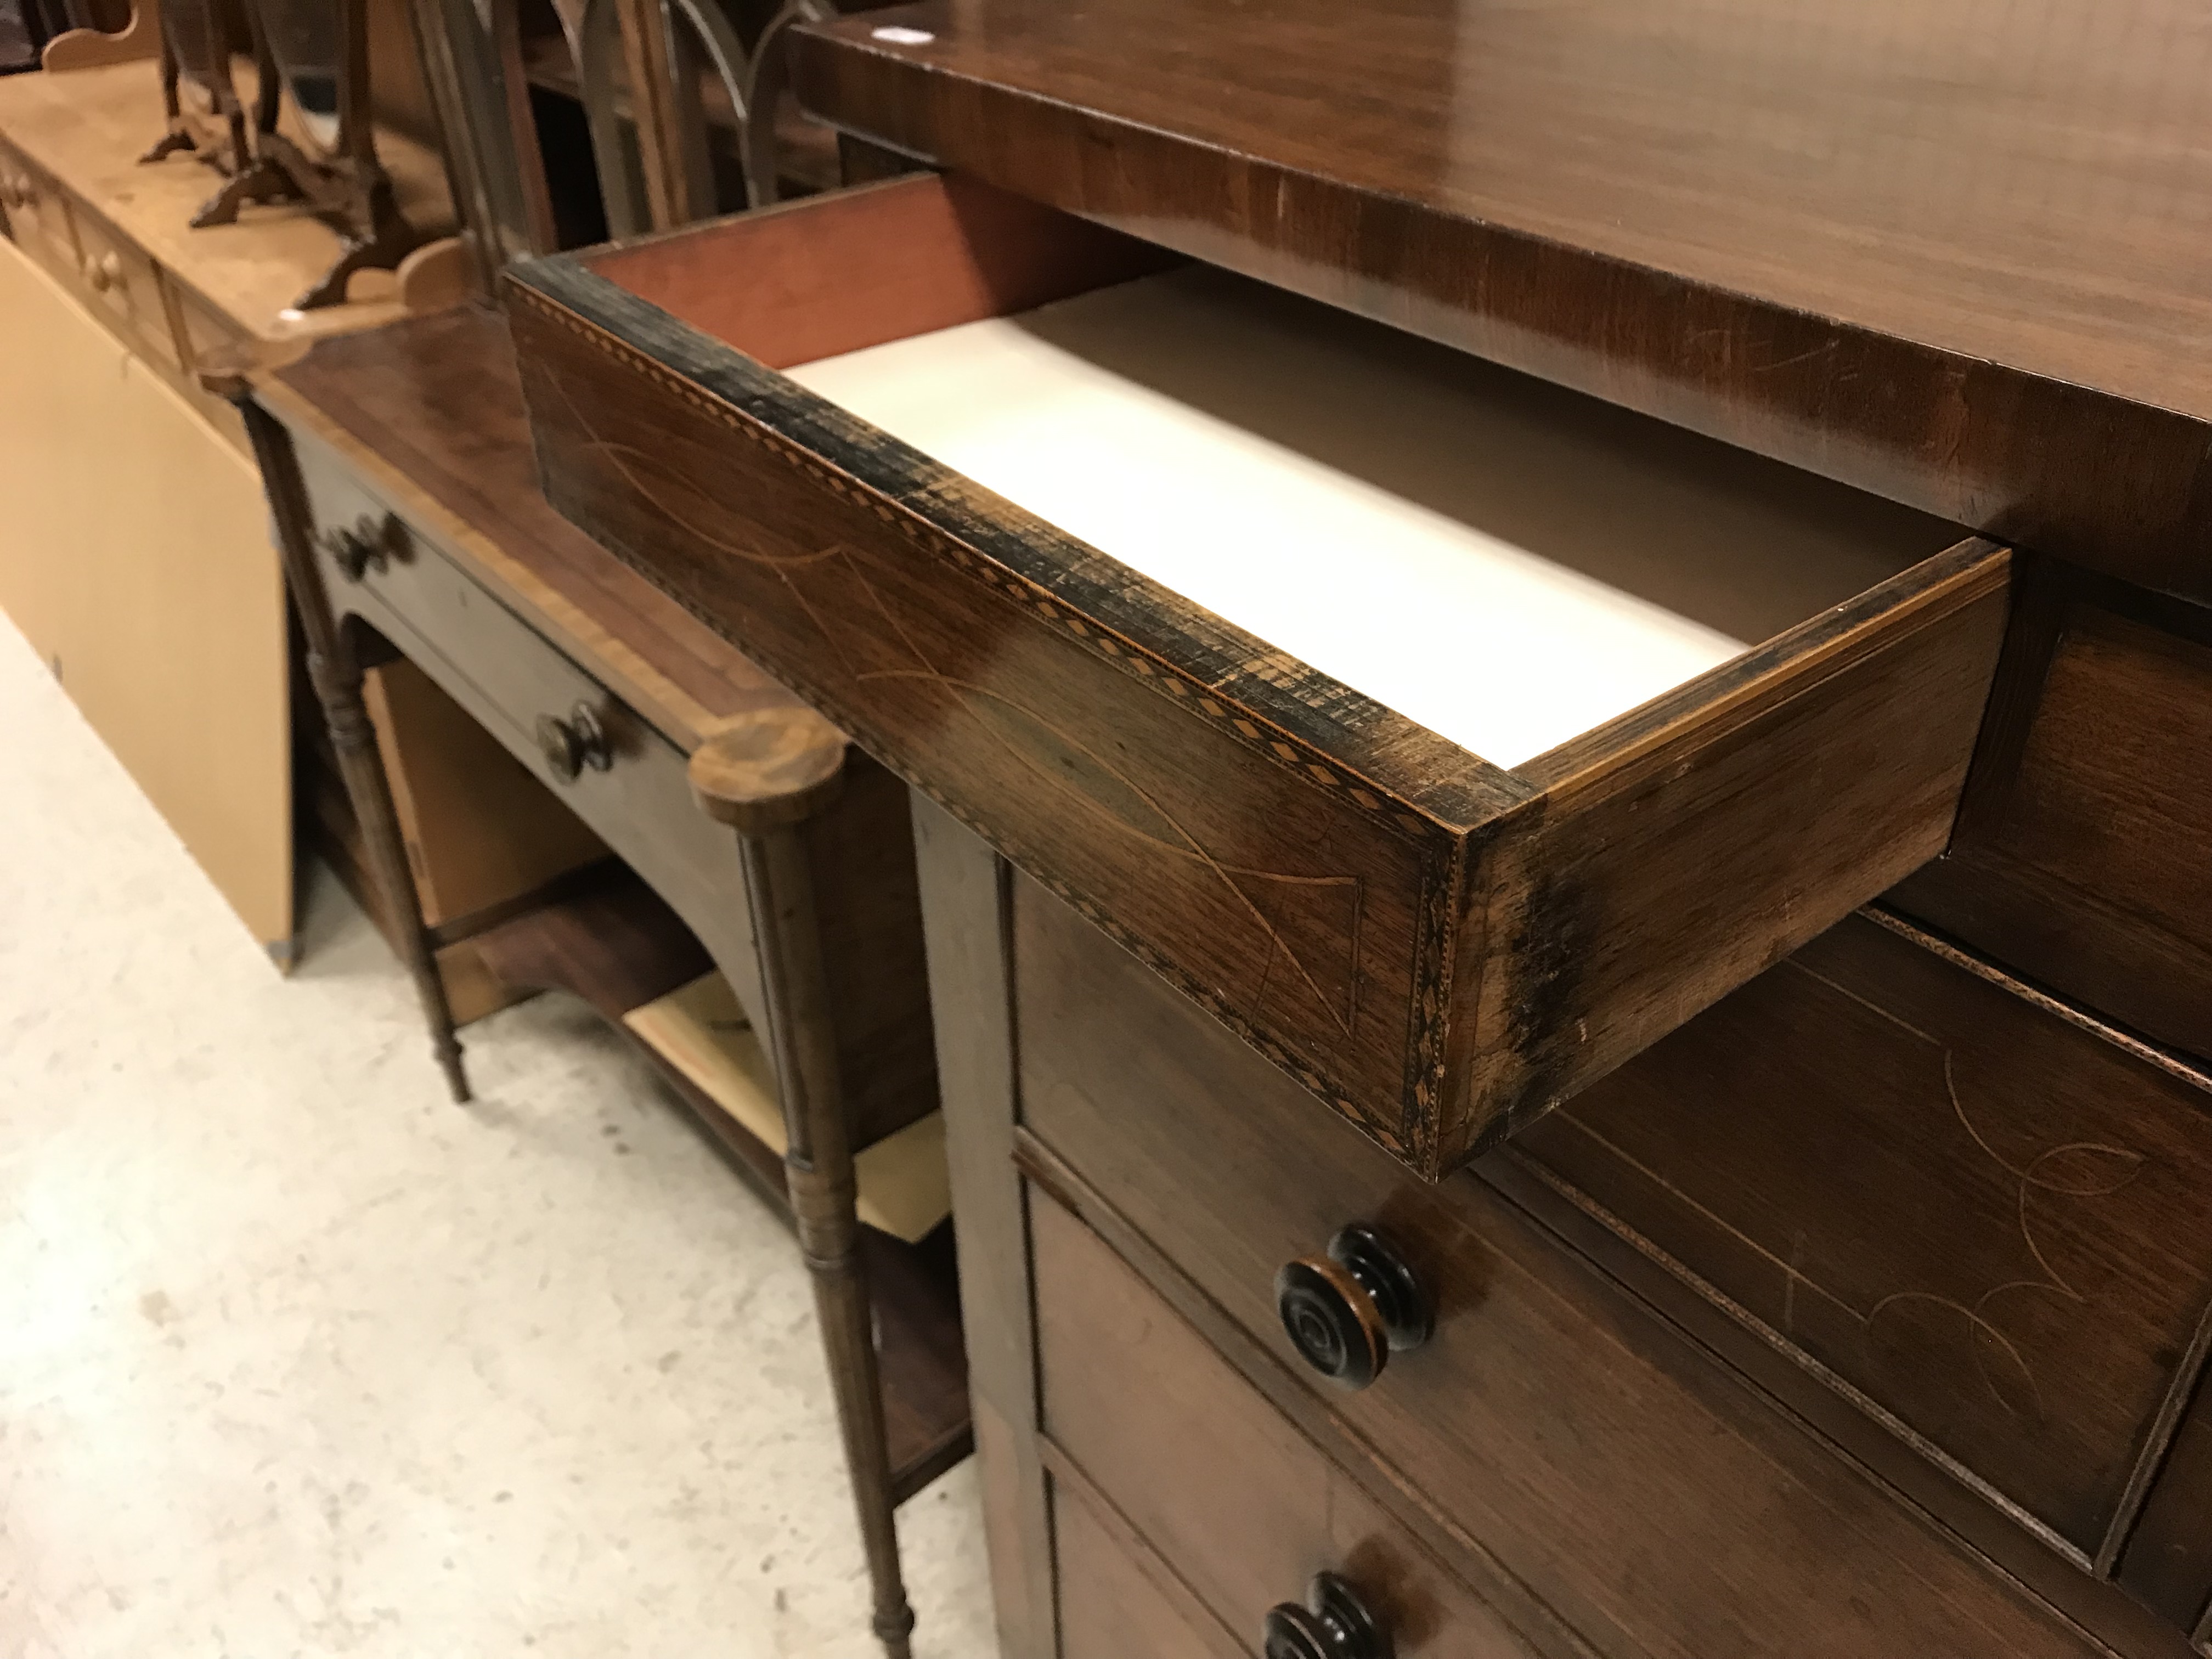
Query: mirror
x=204, y=117
x=316, y=53
x=309, y=48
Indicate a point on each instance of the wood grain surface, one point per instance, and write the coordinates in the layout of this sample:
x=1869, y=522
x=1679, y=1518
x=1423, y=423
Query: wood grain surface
x=971, y=1000
x=1952, y=254
x=1111, y=1607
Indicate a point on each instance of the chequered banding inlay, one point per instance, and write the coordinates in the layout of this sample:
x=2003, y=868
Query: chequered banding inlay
x=1416, y=1135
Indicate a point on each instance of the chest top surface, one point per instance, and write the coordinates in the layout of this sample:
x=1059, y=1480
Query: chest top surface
x=1924, y=249
x=2027, y=180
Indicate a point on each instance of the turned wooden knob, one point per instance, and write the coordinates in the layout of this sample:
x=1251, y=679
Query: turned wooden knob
x=103, y=273
x=1347, y=1311
x=571, y=744
x=769, y=768
x=19, y=192
x=357, y=551
x=1334, y=1624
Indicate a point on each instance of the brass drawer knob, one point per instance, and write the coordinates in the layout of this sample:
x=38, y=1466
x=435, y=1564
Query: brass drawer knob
x=569, y=745
x=1334, y=1624
x=355, y=552
x=1347, y=1312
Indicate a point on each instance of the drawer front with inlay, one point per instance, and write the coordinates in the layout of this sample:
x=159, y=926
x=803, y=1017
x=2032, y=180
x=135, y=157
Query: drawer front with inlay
x=1657, y=1503
x=2084, y=854
x=1234, y=1500
x=1992, y=1224
x=1450, y=736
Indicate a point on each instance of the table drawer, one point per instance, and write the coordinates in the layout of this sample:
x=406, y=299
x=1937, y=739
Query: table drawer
x=1450, y=736
x=507, y=677
x=1651, y=1498
x=1235, y=1503
x=37, y=215
x=2084, y=856
x=124, y=287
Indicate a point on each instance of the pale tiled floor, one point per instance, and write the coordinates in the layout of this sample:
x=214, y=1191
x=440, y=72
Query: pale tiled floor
x=297, y=1358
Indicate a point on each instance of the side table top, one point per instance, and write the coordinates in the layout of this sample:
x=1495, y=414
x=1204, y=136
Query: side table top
x=430, y=412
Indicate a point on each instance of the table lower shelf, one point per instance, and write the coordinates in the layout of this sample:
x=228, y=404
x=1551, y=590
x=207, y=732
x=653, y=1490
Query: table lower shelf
x=616, y=946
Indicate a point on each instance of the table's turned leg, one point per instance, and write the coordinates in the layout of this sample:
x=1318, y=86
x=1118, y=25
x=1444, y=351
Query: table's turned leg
x=764, y=776
x=336, y=673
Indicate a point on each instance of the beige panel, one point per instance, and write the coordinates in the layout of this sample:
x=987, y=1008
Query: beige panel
x=61, y=390
x=182, y=665
x=700, y=1028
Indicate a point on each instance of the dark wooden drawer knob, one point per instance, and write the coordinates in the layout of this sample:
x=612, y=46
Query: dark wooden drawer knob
x=569, y=745
x=1334, y=1624
x=357, y=551
x=1348, y=1310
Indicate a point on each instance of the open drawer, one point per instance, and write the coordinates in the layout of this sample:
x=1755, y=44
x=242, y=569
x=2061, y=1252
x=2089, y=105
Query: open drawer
x=1451, y=736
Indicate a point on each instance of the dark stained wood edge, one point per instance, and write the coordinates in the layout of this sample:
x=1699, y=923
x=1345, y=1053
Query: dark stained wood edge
x=1811, y=391
x=967, y=915
x=787, y=289
x=2166, y=1060
x=1721, y=833
x=2157, y=1442
x=1070, y=1478
x=2167, y=1565
x=1616, y=754
x=2039, y=605
x=1287, y=712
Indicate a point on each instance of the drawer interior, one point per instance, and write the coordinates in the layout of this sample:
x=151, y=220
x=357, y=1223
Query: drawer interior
x=1452, y=737
x=1502, y=561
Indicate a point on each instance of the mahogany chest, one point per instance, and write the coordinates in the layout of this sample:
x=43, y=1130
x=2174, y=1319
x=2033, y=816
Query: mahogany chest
x=1554, y=667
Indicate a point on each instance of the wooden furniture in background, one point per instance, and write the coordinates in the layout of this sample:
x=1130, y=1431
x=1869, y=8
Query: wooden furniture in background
x=138, y=561
x=23, y=34
x=585, y=119
x=1741, y=1274
x=399, y=464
